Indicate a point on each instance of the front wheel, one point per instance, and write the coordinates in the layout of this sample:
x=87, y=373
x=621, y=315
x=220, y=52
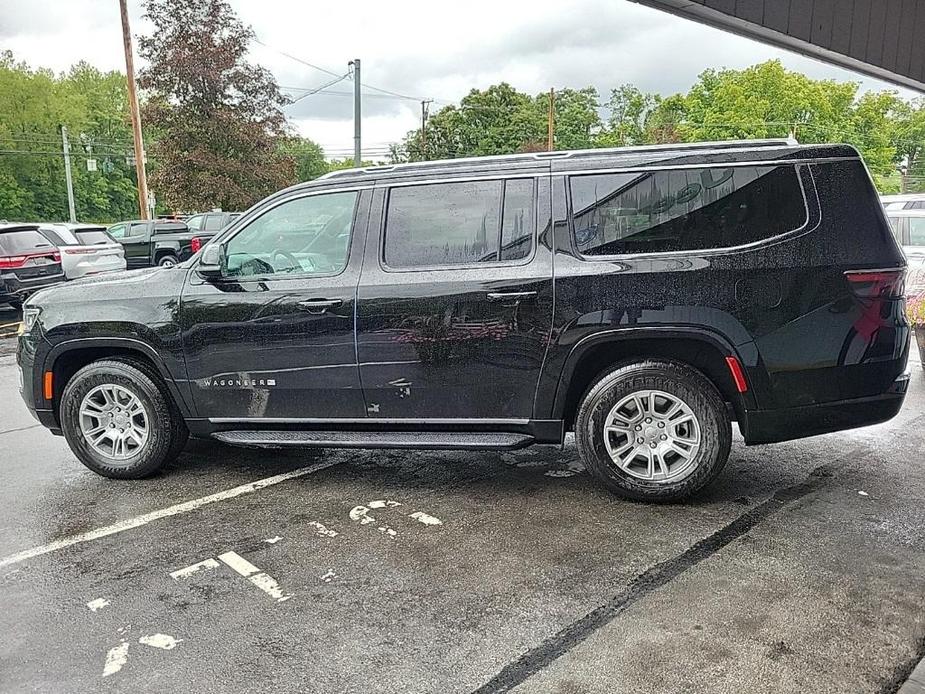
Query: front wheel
x=118, y=419
x=653, y=431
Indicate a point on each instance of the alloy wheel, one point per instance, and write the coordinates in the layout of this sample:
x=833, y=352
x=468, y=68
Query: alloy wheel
x=653, y=435
x=114, y=421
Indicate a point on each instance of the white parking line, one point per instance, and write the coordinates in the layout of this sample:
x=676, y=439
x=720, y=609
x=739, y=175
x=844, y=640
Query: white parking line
x=259, y=578
x=177, y=509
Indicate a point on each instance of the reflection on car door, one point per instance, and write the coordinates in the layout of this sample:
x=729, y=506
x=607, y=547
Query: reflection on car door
x=455, y=303
x=274, y=337
x=136, y=244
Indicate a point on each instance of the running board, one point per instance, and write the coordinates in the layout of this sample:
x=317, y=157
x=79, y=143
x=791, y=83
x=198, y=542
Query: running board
x=490, y=441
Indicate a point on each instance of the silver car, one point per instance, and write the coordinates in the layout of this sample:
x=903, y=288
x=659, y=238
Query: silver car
x=86, y=249
x=909, y=229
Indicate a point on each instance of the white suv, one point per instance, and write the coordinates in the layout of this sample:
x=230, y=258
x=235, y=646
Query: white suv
x=85, y=249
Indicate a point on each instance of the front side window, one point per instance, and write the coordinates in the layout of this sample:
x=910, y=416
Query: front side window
x=195, y=222
x=308, y=235
x=469, y=222
x=117, y=231
x=684, y=209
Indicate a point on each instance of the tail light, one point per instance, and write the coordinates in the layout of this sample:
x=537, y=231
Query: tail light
x=877, y=284
x=56, y=256
x=8, y=262
x=195, y=244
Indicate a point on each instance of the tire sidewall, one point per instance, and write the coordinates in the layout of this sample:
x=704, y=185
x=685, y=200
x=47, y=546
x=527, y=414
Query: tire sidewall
x=151, y=456
x=167, y=261
x=682, y=382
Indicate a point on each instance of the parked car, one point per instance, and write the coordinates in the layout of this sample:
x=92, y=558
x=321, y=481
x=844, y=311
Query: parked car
x=28, y=262
x=643, y=298
x=908, y=227
x=85, y=249
x=157, y=242
x=906, y=201
x=211, y=221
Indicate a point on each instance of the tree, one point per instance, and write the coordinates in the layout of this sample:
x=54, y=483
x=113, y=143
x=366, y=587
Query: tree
x=217, y=119
x=308, y=156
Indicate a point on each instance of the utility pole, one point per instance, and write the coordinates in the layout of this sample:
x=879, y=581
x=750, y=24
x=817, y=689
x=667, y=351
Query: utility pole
x=136, y=116
x=424, y=104
x=551, y=124
x=357, y=154
x=67, y=174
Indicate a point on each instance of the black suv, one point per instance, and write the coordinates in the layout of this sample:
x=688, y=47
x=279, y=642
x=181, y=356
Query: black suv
x=28, y=262
x=643, y=298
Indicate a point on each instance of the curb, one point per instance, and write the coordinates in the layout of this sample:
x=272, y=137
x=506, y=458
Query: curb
x=916, y=682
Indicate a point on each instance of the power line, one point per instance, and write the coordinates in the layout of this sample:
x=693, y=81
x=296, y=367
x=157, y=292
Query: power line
x=318, y=89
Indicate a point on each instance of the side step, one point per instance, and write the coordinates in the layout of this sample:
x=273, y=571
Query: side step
x=490, y=441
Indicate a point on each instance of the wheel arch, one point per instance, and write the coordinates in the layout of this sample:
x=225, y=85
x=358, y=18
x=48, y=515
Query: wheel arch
x=67, y=358
x=701, y=349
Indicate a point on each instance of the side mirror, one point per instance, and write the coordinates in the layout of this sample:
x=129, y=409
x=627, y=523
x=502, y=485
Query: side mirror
x=211, y=261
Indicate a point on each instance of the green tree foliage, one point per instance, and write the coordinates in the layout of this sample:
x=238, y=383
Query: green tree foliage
x=762, y=101
x=34, y=104
x=218, y=126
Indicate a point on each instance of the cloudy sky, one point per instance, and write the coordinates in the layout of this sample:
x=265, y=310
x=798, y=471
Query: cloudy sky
x=420, y=50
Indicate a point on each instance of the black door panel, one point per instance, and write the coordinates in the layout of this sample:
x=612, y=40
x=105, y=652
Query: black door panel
x=264, y=344
x=447, y=343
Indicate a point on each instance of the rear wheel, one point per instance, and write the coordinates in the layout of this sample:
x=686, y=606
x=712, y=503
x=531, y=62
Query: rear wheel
x=653, y=430
x=119, y=420
x=167, y=261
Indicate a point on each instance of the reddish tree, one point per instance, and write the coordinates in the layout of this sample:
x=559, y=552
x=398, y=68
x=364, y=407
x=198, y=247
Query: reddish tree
x=215, y=117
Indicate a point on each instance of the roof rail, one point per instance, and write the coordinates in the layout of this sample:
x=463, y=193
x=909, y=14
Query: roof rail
x=563, y=154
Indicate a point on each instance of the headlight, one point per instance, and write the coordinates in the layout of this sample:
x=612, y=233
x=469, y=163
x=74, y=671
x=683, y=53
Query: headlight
x=30, y=315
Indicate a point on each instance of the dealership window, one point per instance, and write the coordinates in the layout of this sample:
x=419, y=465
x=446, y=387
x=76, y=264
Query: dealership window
x=459, y=223
x=684, y=209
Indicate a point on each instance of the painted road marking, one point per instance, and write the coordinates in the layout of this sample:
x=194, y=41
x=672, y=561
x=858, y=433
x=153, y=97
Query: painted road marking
x=185, y=507
x=165, y=642
x=361, y=515
x=426, y=518
x=322, y=529
x=259, y=578
x=97, y=604
x=115, y=659
x=188, y=571
x=273, y=540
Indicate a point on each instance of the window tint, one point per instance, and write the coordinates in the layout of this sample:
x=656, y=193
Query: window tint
x=309, y=235
x=93, y=237
x=517, y=221
x=917, y=231
x=896, y=224
x=459, y=223
x=13, y=242
x=685, y=209
x=55, y=238
x=213, y=222
x=117, y=231
x=915, y=205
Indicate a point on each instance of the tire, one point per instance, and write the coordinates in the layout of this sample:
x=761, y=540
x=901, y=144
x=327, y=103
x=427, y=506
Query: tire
x=166, y=432
x=677, y=476
x=167, y=261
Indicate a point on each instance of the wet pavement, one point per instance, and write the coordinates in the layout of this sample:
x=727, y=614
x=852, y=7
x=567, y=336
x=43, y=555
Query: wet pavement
x=801, y=569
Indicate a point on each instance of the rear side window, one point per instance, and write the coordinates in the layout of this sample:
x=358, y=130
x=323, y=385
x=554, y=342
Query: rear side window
x=93, y=237
x=916, y=231
x=213, y=222
x=13, y=242
x=464, y=223
x=56, y=238
x=684, y=209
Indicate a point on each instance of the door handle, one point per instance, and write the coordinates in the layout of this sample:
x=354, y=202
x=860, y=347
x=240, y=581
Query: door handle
x=319, y=305
x=507, y=296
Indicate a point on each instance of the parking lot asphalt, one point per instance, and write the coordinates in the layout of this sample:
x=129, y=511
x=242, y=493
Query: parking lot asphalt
x=801, y=569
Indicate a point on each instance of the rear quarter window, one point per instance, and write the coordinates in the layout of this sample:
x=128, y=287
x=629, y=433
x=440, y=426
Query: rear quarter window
x=684, y=209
